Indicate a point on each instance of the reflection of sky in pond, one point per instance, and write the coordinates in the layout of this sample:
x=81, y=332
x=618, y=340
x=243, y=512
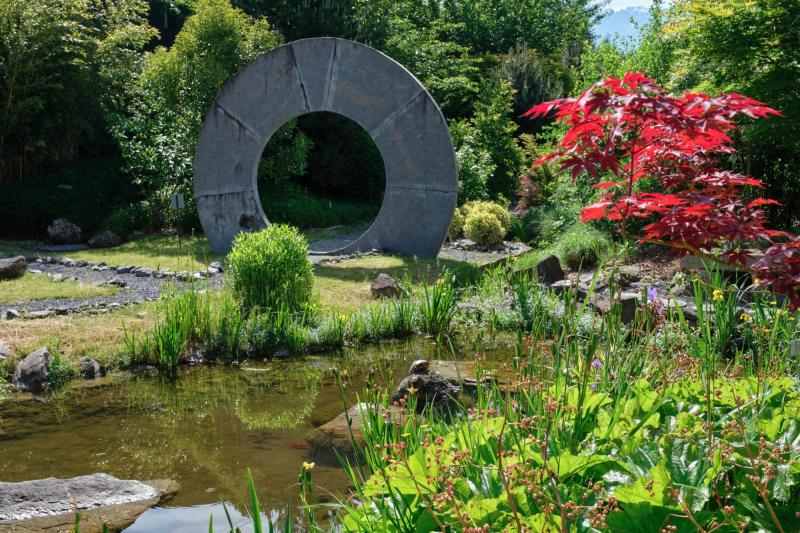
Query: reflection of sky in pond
x=193, y=519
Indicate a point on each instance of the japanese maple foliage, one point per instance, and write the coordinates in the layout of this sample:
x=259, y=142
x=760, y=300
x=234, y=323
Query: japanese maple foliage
x=630, y=128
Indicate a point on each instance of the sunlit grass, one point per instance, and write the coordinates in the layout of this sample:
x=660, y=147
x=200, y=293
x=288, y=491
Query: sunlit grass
x=40, y=287
x=346, y=285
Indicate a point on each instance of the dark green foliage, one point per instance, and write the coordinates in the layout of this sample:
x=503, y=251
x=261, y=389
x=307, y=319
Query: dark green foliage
x=343, y=162
x=295, y=205
x=61, y=65
x=159, y=132
x=270, y=269
x=535, y=79
x=582, y=246
x=285, y=157
x=85, y=193
x=128, y=218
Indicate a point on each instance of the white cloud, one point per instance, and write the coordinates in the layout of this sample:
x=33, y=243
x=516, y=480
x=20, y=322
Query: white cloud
x=622, y=4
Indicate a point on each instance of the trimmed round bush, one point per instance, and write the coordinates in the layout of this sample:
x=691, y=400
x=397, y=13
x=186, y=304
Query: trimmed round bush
x=456, y=225
x=500, y=212
x=269, y=269
x=582, y=246
x=484, y=228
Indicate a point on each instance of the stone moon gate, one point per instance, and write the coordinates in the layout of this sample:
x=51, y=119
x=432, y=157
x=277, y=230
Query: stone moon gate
x=353, y=80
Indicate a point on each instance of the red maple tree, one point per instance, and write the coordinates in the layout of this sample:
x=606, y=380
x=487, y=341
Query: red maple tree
x=629, y=129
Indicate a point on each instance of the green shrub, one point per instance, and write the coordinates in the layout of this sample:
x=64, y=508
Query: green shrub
x=499, y=211
x=475, y=167
x=456, y=224
x=582, y=246
x=270, y=269
x=484, y=228
x=126, y=219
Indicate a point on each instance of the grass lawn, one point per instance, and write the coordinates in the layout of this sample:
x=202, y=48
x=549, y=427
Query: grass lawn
x=41, y=287
x=152, y=251
x=97, y=336
x=346, y=284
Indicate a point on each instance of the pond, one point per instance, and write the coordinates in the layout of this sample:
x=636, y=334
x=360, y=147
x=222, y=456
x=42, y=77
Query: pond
x=204, y=430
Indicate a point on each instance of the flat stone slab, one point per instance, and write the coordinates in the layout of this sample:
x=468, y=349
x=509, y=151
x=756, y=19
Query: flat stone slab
x=484, y=259
x=100, y=498
x=465, y=373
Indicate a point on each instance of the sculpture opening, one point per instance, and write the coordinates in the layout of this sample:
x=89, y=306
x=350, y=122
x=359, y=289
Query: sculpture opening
x=322, y=173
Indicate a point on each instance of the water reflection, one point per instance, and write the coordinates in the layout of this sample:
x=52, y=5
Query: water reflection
x=204, y=430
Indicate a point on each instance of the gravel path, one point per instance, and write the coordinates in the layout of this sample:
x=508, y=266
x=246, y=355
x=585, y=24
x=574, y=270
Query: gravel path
x=136, y=286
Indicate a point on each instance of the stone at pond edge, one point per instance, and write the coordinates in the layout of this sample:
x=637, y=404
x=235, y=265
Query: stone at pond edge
x=11, y=314
x=31, y=373
x=5, y=351
x=13, y=267
x=385, y=286
x=105, y=239
x=47, y=504
x=431, y=389
x=335, y=434
x=62, y=231
x=549, y=270
x=90, y=369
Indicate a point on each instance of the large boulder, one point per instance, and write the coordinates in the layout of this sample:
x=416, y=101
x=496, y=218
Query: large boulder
x=50, y=504
x=13, y=267
x=31, y=373
x=62, y=231
x=385, y=286
x=105, y=239
x=431, y=389
x=336, y=434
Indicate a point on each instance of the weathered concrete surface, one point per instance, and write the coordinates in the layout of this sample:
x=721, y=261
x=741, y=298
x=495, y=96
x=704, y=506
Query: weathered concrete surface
x=353, y=80
x=50, y=504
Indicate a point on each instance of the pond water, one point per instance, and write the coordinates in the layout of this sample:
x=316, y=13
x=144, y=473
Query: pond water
x=204, y=430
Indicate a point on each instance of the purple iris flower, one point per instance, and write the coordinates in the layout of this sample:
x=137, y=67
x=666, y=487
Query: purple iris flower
x=597, y=364
x=652, y=294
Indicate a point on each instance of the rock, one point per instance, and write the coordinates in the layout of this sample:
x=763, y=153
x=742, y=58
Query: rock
x=105, y=239
x=430, y=388
x=90, y=369
x=217, y=265
x=628, y=274
x=335, y=434
x=116, y=282
x=31, y=374
x=62, y=231
x=549, y=270
x=385, y=286
x=35, y=315
x=465, y=374
x=50, y=504
x=11, y=314
x=795, y=347
x=57, y=278
x=629, y=302
x=13, y=267
x=5, y=350
x=124, y=269
x=565, y=285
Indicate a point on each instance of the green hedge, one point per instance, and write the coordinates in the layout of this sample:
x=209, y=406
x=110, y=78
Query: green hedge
x=85, y=193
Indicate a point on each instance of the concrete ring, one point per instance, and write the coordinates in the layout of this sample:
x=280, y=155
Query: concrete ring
x=353, y=80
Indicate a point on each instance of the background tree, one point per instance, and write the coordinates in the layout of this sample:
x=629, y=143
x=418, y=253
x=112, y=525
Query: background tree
x=752, y=48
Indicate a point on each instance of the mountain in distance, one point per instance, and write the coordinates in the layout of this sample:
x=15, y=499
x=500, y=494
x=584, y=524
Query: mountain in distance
x=618, y=23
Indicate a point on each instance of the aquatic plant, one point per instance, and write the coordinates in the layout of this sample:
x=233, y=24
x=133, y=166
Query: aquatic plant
x=437, y=305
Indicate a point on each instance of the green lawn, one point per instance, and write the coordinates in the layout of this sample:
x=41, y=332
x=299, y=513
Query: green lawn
x=41, y=287
x=346, y=284
x=153, y=251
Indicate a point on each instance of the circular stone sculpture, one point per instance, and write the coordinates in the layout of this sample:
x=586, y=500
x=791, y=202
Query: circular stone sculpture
x=353, y=80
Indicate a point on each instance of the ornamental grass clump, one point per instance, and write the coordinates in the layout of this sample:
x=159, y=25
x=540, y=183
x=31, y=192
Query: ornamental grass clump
x=270, y=269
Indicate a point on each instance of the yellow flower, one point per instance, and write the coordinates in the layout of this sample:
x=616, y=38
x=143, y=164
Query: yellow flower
x=745, y=317
x=412, y=390
x=308, y=466
x=718, y=295
x=773, y=302
x=440, y=281
x=343, y=318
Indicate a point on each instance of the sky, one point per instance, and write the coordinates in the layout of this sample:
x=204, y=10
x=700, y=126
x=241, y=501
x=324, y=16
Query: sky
x=622, y=4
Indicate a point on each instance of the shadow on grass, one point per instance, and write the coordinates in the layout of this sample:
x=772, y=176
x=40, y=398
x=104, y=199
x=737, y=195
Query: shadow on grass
x=400, y=268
